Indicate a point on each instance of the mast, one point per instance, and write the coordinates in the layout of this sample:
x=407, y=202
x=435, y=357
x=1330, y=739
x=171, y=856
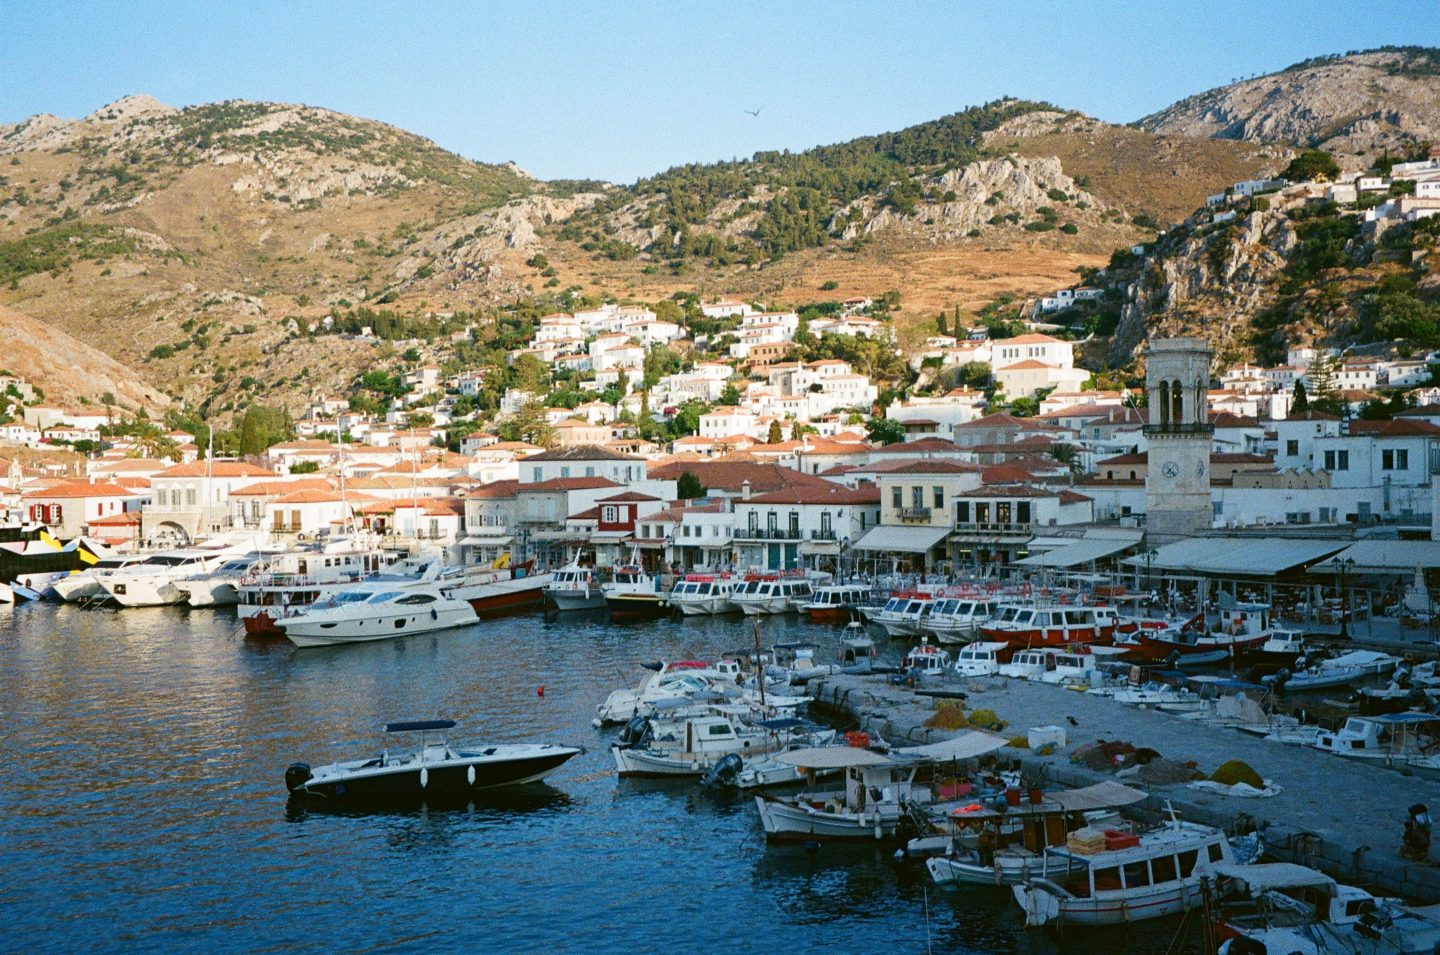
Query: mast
x=759, y=663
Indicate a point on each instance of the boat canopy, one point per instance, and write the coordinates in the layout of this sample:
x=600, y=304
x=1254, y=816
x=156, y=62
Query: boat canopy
x=783, y=724
x=415, y=726
x=1275, y=875
x=1099, y=796
x=833, y=757
x=964, y=746
x=1405, y=718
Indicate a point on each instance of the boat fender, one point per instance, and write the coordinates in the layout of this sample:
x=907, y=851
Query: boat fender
x=296, y=776
x=470, y=774
x=424, y=777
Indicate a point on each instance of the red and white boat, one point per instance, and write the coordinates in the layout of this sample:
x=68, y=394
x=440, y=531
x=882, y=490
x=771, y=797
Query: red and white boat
x=495, y=591
x=1244, y=628
x=1026, y=627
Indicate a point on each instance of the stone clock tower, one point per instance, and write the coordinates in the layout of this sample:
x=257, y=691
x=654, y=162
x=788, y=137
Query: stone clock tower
x=1177, y=478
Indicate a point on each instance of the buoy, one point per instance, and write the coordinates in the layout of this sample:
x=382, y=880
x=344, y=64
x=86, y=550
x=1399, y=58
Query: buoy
x=540, y=692
x=424, y=777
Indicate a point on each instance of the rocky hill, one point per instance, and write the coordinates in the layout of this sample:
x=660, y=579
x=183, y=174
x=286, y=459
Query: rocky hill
x=68, y=371
x=1357, y=106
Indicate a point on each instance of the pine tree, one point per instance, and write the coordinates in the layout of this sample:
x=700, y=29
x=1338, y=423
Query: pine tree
x=940, y=323
x=1301, y=402
x=1322, y=376
x=775, y=436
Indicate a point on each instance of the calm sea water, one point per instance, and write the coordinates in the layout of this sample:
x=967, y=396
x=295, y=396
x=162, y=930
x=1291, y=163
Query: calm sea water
x=142, y=807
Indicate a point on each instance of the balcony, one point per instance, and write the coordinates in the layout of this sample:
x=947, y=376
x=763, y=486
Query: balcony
x=913, y=513
x=1178, y=430
x=757, y=534
x=822, y=535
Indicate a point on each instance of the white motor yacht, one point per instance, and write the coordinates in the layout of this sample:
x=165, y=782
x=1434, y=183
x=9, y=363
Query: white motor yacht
x=85, y=584
x=980, y=658
x=927, y=661
x=219, y=587
x=693, y=746
x=155, y=583
x=376, y=611
x=285, y=584
x=767, y=595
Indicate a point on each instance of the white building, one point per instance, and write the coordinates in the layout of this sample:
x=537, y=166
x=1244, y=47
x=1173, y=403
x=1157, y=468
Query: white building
x=1028, y=363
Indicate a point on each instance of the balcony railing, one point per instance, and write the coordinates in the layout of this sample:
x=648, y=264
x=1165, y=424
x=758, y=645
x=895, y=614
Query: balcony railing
x=914, y=513
x=1178, y=429
x=994, y=527
x=822, y=535
x=759, y=534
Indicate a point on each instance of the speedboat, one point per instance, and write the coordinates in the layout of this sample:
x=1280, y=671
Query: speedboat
x=1284, y=907
x=376, y=611
x=435, y=773
x=1338, y=671
x=635, y=594
x=702, y=594
x=219, y=587
x=956, y=619
x=1359, y=738
x=836, y=603
x=979, y=659
x=573, y=587
x=675, y=679
x=284, y=584
x=1126, y=877
x=155, y=583
x=903, y=614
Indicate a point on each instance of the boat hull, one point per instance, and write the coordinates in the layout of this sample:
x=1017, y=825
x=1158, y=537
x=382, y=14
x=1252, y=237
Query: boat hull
x=1214, y=651
x=144, y=593
x=1106, y=908
x=566, y=600
x=636, y=606
x=758, y=608
x=1007, y=870
x=786, y=822
x=501, y=597
x=326, y=632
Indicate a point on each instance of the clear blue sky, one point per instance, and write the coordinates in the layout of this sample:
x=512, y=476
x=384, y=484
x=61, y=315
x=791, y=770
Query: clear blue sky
x=617, y=90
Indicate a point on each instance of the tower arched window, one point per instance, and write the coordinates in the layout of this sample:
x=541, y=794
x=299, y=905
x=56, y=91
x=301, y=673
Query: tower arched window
x=1164, y=404
x=1177, y=410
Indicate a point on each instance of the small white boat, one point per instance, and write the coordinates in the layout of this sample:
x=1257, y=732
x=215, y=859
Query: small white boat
x=692, y=746
x=672, y=680
x=1359, y=738
x=927, y=661
x=573, y=587
x=369, y=612
x=1284, y=907
x=1026, y=665
x=703, y=594
x=903, y=614
x=980, y=659
x=857, y=651
x=836, y=603
x=635, y=594
x=1338, y=671
x=1145, y=876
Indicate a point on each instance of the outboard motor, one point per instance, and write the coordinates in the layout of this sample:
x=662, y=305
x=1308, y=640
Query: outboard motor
x=637, y=732
x=296, y=776
x=724, y=772
x=1282, y=677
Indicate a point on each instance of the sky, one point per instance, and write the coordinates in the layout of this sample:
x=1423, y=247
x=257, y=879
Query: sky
x=621, y=90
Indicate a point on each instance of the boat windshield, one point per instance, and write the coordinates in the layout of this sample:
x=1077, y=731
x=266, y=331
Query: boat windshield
x=383, y=597
x=352, y=597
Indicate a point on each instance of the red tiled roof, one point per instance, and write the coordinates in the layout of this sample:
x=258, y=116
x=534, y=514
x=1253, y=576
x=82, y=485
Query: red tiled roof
x=568, y=484
x=220, y=469
x=82, y=489
x=123, y=519
x=628, y=497
x=1402, y=428
x=832, y=494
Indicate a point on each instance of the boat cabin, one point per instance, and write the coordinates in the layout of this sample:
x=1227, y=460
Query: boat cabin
x=1147, y=865
x=1245, y=620
x=793, y=656
x=980, y=659
x=839, y=596
x=907, y=605
x=1357, y=736
x=962, y=608
x=855, y=650
x=1053, y=625
x=927, y=660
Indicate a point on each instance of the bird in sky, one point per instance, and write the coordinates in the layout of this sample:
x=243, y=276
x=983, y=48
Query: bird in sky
x=754, y=112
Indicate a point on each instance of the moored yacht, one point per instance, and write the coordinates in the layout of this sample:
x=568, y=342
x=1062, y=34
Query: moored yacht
x=156, y=582
x=376, y=611
x=758, y=596
x=85, y=584
x=436, y=773
x=284, y=584
x=219, y=587
x=635, y=594
x=958, y=619
x=836, y=603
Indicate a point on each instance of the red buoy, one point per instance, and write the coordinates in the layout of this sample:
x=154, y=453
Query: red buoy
x=540, y=692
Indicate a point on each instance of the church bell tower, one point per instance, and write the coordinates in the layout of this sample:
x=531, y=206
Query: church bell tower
x=1177, y=478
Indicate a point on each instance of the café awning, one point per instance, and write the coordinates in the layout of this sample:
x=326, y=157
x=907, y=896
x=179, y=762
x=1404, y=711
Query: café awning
x=911, y=540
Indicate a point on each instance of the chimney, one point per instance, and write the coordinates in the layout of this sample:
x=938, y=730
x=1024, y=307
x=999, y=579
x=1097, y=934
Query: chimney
x=745, y=490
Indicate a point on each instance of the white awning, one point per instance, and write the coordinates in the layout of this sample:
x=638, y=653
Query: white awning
x=965, y=746
x=485, y=541
x=1099, y=796
x=1077, y=553
x=912, y=540
x=826, y=548
x=832, y=757
x=1275, y=875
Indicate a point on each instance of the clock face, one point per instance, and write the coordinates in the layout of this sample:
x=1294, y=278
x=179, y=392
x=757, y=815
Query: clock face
x=1170, y=469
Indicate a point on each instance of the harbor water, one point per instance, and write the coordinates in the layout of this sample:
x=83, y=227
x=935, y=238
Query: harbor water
x=143, y=805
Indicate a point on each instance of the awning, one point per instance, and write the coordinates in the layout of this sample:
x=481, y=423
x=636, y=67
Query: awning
x=1240, y=556
x=1379, y=556
x=1099, y=796
x=912, y=540
x=485, y=541
x=1275, y=875
x=1077, y=553
x=824, y=548
x=965, y=746
x=832, y=757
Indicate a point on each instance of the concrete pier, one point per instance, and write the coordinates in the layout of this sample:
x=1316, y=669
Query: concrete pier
x=1341, y=816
